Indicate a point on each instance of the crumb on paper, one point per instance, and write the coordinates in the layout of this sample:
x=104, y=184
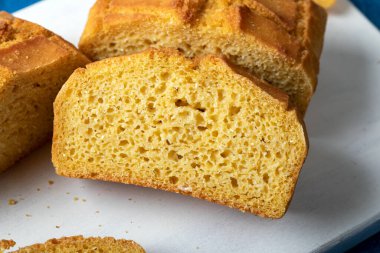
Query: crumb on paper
x=67, y=193
x=97, y=211
x=99, y=225
x=57, y=226
x=84, y=200
x=38, y=189
x=197, y=248
x=12, y=202
x=76, y=198
x=28, y=215
x=126, y=231
x=6, y=244
x=51, y=182
x=130, y=199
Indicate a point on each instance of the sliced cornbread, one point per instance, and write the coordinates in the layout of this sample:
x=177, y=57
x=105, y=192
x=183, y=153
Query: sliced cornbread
x=196, y=127
x=279, y=41
x=76, y=244
x=34, y=63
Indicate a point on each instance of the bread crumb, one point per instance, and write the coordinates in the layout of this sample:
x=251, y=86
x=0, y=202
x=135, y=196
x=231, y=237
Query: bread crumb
x=67, y=193
x=130, y=199
x=12, y=202
x=38, y=189
x=99, y=225
x=48, y=207
x=28, y=215
x=6, y=244
x=126, y=231
x=57, y=226
x=51, y=182
x=84, y=200
x=97, y=212
x=76, y=198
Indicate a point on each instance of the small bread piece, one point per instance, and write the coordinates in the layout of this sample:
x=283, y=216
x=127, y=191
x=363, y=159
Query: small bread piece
x=34, y=64
x=6, y=244
x=75, y=244
x=160, y=120
x=280, y=41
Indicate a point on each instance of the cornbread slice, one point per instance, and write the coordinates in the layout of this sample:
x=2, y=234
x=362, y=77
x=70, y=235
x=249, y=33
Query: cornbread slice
x=160, y=120
x=280, y=41
x=76, y=244
x=34, y=63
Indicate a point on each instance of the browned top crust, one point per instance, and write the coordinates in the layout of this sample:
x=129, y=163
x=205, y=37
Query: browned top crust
x=289, y=26
x=25, y=46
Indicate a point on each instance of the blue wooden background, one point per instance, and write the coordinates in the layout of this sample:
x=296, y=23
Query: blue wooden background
x=371, y=8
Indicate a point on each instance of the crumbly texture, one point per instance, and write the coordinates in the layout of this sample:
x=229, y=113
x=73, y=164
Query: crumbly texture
x=195, y=127
x=279, y=41
x=34, y=64
x=79, y=244
x=6, y=244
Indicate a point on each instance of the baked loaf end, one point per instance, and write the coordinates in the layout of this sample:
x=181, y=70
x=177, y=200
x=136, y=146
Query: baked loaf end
x=76, y=244
x=198, y=128
x=279, y=41
x=34, y=63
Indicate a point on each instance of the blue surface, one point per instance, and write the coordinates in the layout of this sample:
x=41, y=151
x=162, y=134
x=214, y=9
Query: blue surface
x=14, y=5
x=371, y=8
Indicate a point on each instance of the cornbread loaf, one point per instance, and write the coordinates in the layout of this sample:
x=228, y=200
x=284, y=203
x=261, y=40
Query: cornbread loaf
x=195, y=127
x=279, y=41
x=75, y=244
x=34, y=63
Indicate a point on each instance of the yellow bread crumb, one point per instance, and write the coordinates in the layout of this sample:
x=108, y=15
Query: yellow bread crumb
x=199, y=127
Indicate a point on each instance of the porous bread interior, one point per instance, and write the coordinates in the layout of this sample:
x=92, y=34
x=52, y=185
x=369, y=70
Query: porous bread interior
x=210, y=34
x=77, y=244
x=26, y=97
x=157, y=119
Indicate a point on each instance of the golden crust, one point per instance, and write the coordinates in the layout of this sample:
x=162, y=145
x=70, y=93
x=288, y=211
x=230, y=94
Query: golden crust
x=276, y=16
x=25, y=46
x=272, y=17
x=76, y=243
x=87, y=171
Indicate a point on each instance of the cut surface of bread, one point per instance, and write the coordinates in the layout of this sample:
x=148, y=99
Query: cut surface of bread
x=280, y=41
x=34, y=64
x=196, y=127
x=79, y=244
